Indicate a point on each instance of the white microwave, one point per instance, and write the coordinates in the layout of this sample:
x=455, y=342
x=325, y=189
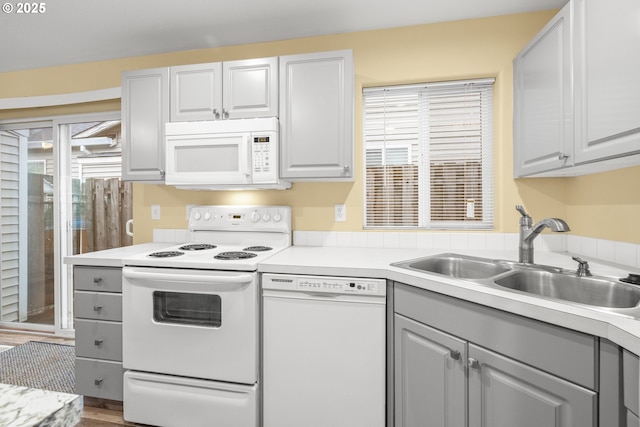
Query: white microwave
x=223, y=154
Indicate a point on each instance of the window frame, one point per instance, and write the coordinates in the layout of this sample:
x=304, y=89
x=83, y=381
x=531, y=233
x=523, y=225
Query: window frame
x=484, y=89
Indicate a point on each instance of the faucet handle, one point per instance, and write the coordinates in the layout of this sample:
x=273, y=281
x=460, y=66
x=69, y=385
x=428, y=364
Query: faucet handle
x=520, y=209
x=583, y=267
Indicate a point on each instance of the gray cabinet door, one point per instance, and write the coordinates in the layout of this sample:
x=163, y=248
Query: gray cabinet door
x=196, y=92
x=145, y=110
x=250, y=88
x=316, y=116
x=607, y=86
x=506, y=393
x=430, y=384
x=543, y=100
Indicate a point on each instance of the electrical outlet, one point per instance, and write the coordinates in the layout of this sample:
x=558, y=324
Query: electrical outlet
x=155, y=212
x=341, y=213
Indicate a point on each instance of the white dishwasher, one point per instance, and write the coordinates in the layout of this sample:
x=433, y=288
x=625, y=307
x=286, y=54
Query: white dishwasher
x=323, y=351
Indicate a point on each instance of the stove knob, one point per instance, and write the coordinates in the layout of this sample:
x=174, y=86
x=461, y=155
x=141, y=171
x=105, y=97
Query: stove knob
x=277, y=217
x=255, y=216
x=207, y=216
x=197, y=216
x=266, y=217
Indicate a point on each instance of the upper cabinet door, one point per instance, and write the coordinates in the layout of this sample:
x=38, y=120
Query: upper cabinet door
x=145, y=101
x=316, y=116
x=543, y=100
x=250, y=88
x=196, y=92
x=607, y=71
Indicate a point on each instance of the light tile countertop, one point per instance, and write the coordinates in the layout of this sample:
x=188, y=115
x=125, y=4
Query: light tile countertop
x=376, y=263
x=26, y=407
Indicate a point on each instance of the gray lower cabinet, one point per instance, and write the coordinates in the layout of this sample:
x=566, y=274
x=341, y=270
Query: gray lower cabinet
x=430, y=378
x=98, y=325
x=630, y=373
x=506, y=393
x=463, y=364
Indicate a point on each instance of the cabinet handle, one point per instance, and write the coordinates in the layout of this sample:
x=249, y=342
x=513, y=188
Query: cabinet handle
x=97, y=343
x=216, y=114
x=97, y=308
x=97, y=382
x=473, y=363
x=562, y=156
x=455, y=354
x=225, y=114
x=97, y=280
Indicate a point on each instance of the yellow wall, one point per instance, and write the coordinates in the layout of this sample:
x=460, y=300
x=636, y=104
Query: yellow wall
x=435, y=52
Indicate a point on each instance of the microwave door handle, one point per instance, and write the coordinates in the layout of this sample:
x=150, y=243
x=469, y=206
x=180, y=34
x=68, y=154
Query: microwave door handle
x=248, y=172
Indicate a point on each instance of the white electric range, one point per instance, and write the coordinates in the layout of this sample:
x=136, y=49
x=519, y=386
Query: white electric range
x=190, y=319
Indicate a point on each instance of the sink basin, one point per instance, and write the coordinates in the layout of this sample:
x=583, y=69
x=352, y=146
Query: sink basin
x=459, y=266
x=591, y=291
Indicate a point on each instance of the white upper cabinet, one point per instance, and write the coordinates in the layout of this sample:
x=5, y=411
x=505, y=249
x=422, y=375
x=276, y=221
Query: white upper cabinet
x=577, y=94
x=316, y=116
x=543, y=102
x=145, y=110
x=250, y=88
x=607, y=78
x=196, y=92
x=229, y=90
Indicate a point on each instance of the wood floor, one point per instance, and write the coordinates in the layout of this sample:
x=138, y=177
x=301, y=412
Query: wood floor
x=97, y=413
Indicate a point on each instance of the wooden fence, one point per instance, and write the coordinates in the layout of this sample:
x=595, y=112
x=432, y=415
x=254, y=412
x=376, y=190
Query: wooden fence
x=107, y=206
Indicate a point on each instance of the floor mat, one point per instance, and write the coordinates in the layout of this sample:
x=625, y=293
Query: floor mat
x=39, y=364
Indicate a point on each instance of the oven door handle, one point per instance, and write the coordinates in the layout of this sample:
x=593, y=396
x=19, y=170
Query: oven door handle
x=235, y=279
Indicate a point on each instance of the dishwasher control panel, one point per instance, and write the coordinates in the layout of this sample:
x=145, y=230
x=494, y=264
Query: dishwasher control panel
x=325, y=284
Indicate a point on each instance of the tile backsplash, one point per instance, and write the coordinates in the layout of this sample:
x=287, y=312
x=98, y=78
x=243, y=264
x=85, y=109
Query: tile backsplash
x=622, y=253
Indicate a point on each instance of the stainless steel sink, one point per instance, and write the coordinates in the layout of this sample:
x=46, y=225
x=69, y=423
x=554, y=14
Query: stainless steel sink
x=537, y=280
x=599, y=292
x=454, y=265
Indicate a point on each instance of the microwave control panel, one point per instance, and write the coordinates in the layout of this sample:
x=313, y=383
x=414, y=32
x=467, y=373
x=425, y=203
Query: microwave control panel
x=264, y=156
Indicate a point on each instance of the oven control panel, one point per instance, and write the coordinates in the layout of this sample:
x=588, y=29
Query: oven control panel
x=241, y=218
x=325, y=284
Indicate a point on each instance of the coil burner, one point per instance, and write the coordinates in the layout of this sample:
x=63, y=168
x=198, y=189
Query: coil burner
x=257, y=248
x=234, y=255
x=197, y=247
x=165, y=254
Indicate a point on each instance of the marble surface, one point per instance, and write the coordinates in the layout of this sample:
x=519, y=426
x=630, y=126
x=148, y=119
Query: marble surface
x=23, y=406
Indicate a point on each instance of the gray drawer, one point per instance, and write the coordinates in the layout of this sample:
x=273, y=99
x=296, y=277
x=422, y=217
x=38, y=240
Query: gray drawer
x=562, y=352
x=99, y=279
x=631, y=368
x=98, y=305
x=99, y=340
x=99, y=378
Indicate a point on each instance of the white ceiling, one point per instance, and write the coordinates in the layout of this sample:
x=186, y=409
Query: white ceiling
x=75, y=31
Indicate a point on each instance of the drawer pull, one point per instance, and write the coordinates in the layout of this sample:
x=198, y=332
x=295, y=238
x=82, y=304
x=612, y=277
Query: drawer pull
x=97, y=308
x=97, y=280
x=455, y=354
x=97, y=343
x=97, y=382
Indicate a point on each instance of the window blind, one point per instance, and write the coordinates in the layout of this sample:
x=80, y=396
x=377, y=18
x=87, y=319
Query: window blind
x=428, y=155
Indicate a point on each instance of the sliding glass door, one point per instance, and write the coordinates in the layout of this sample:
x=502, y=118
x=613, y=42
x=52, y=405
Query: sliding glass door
x=50, y=173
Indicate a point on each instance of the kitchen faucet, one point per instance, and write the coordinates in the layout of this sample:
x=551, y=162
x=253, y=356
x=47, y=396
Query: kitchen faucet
x=528, y=233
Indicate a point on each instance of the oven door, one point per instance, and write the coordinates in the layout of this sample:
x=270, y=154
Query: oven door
x=208, y=159
x=193, y=323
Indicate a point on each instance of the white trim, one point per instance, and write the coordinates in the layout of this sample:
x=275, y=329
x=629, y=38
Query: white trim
x=60, y=99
